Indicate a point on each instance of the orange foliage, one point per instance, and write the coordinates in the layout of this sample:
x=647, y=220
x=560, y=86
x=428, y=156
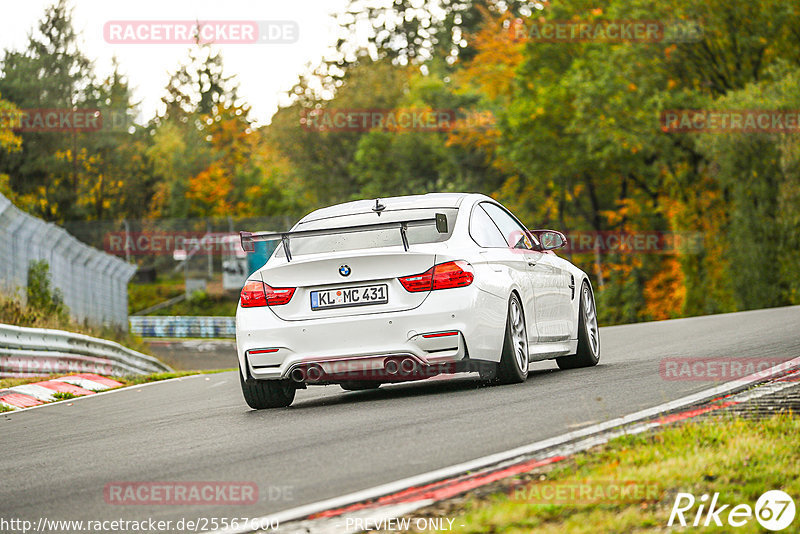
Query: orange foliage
x=209, y=190
x=498, y=53
x=492, y=72
x=665, y=292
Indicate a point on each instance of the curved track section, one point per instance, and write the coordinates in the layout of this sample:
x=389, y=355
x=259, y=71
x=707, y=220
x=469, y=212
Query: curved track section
x=58, y=459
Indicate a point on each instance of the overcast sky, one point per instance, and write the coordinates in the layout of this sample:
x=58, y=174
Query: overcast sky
x=264, y=71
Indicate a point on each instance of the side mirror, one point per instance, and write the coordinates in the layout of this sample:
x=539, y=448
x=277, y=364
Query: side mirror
x=550, y=239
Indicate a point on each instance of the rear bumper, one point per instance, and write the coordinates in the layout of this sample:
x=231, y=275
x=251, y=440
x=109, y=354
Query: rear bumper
x=269, y=347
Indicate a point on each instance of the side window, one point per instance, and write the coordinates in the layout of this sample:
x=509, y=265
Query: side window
x=484, y=231
x=514, y=234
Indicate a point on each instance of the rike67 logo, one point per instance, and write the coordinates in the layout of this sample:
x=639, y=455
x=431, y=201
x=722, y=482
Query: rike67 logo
x=774, y=510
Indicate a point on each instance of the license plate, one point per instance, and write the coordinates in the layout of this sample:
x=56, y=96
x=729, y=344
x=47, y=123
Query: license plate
x=350, y=296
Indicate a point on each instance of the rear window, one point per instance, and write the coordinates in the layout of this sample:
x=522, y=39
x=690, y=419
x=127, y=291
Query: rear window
x=373, y=238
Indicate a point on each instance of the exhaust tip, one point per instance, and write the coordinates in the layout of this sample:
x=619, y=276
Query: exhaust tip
x=408, y=366
x=391, y=366
x=314, y=373
x=298, y=374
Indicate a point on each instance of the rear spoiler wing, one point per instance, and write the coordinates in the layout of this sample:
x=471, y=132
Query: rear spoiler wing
x=249, y=239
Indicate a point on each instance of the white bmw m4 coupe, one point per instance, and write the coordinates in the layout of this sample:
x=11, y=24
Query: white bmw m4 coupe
x=397, y=289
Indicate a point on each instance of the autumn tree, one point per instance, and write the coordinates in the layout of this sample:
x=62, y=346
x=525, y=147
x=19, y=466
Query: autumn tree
x=50, y=73
x=180, y=148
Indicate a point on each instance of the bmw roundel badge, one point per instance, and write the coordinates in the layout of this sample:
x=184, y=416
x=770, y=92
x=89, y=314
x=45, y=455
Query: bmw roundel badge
x=344, y=270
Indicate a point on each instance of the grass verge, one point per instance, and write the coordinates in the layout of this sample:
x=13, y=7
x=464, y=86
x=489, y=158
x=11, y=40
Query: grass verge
x=14, y=312
x=213, y=302
x=738, y=458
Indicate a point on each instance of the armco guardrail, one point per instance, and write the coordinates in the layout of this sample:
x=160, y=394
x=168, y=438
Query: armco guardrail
x=183, y=326
x=38, y=352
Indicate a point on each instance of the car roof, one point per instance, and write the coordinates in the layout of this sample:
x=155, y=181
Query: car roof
x=430, y=200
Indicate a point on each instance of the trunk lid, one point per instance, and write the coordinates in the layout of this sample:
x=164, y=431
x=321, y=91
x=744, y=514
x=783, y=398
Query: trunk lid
x=320, y=273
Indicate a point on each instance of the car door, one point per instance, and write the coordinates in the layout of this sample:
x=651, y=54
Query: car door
x=552, y=288
x=549, y=280
x=512, y=247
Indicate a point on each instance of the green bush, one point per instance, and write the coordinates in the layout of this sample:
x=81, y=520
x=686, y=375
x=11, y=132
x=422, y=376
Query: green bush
x=201, y=303
x=45, y=309
x=14, y=312
x=141, y=296
x=42, y=298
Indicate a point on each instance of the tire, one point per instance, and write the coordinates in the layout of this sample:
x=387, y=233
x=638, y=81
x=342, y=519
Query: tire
x=359, y=385
x=588, y=353
x=267, y=393
x=513, y=366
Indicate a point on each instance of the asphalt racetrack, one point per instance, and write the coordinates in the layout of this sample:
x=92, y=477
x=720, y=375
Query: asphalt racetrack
x=56, y=460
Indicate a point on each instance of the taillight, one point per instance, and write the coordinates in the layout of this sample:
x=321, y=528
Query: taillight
x=452, y=274
x=418, y=282
x=256, y=294
x=278, y=295
x=443, y=276
x=253, y=294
